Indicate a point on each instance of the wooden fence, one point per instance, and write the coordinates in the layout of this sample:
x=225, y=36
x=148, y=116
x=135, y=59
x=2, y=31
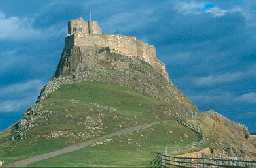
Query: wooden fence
x=165, y=161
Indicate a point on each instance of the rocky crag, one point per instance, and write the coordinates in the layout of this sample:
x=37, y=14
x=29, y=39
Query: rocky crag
x=93, y=56
x=89, y=55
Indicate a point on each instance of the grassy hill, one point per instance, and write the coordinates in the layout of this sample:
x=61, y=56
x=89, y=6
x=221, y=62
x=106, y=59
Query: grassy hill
x=131, y=150
x=83, y=111
x=97, y=92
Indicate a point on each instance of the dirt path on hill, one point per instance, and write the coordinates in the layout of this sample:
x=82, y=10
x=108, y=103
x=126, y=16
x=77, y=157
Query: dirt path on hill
x=75, y=147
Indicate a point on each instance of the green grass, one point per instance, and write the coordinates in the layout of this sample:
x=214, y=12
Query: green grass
x=112, y=95
x=117, y=107
x=132, y=150
x=131, y=108
x=12, y=151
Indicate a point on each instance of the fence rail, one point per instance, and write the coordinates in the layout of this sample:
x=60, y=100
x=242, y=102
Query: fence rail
x=163, y=160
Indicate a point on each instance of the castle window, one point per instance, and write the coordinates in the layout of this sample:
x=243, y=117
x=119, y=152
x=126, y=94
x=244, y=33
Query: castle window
x=79, y=29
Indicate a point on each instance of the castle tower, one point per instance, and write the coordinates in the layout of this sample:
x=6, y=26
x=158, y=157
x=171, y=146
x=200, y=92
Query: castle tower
x=82, y=26
x=85, y=34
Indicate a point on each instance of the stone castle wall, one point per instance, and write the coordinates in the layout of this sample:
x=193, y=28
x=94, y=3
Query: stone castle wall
x=125, y=45
x=83, y=33
x=87, y=27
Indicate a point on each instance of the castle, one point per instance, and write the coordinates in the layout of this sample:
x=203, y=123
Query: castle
x=83, y=33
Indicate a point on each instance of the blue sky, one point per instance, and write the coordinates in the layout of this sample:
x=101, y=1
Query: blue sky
x=208, y=47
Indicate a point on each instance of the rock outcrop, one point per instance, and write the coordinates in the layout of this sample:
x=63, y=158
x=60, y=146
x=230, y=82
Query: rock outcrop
x=89, y=55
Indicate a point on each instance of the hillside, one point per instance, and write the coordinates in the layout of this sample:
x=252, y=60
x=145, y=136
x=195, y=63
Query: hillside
x=106, y=107
x=86, y=110
x=224, y=137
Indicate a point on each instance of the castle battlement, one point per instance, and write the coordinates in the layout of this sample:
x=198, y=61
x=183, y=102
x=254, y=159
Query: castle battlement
x=82, y=26
x=83, y=33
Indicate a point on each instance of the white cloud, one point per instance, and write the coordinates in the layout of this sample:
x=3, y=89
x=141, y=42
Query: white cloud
x=17, y=28
x=219, y=98
x=217, y=79
x=21, y=88
x=18, y=96
x=227, y=98
x=13, y=105
x=189, y=7
x=197, y=8
x=247, y=97
x=213, y=80
x=218, y=12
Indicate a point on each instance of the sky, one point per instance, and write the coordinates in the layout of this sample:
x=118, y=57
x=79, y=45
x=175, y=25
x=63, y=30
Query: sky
x=208, y=48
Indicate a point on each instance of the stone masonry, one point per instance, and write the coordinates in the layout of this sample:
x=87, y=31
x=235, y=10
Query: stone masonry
x=80, y=25
x=83, y=33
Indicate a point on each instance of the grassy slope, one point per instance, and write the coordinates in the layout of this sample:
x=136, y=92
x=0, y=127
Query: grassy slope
x=132, y=150
x=117, y=107
x=221, y=133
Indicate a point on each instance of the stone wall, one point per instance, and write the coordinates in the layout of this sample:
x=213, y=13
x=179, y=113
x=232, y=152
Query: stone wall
x=83, y=33
x=82, y=26
x=125, y=45
x=95, y=28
